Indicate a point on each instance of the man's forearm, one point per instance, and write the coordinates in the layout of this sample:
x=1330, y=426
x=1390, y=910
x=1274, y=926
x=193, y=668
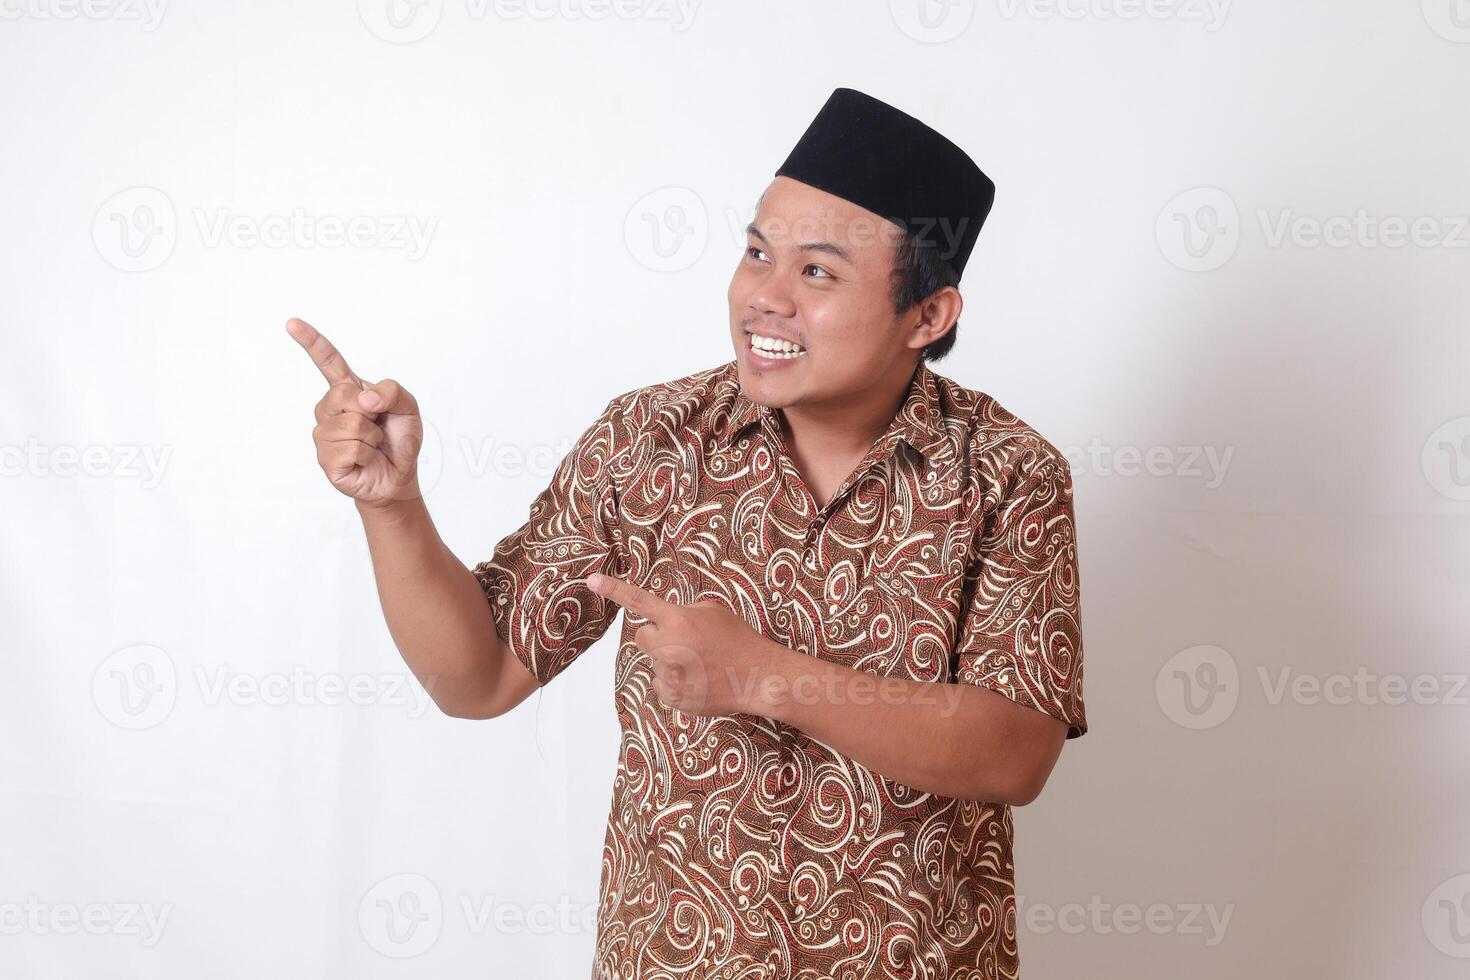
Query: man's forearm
x=437, y=614
x=950, y=739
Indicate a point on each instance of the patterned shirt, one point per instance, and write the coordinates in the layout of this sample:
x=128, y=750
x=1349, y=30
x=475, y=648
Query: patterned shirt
x=738, y=847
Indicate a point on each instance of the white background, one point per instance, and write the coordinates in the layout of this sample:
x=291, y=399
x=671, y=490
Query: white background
x=182, y=588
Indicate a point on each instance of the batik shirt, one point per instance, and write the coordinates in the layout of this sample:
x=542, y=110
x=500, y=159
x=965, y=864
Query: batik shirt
x=737, y=846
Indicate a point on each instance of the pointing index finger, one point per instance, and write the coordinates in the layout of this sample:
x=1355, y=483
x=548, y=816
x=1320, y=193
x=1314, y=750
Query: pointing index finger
x=328, y=360
x=629, y=596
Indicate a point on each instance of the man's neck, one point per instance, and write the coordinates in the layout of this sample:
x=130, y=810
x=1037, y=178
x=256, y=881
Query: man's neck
x=826, y=441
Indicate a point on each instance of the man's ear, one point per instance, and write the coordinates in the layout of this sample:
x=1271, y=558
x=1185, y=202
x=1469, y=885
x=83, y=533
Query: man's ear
x=938, y=313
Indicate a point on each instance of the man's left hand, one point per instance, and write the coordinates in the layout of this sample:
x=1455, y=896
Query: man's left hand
x=706, y=659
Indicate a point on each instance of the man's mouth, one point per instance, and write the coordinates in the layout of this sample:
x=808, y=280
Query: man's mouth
x=774, y=348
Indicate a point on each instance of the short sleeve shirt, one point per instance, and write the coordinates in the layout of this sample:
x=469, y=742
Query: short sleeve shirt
x=738, y=846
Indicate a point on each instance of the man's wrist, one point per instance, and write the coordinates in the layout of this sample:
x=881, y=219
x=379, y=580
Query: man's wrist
x=774, y=672
x=394, y=511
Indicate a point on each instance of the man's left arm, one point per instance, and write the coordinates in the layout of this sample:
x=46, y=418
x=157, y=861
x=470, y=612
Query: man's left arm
x=950, y=739
x=993, y=735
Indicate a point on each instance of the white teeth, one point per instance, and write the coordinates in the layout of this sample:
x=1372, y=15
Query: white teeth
x=774, y=348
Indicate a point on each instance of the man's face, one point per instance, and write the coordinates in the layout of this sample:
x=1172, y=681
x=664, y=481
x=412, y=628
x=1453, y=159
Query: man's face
x=817, y=270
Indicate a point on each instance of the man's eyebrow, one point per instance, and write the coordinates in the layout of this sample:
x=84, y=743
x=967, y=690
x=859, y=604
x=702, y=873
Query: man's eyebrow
x=829, y=248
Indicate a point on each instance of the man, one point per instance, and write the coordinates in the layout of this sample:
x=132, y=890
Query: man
x=851, y=636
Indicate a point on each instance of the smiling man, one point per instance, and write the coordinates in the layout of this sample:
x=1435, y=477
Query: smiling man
x=851, y=634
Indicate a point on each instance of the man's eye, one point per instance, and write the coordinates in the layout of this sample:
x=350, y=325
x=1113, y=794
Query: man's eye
x=755, y=253
x=821, y=272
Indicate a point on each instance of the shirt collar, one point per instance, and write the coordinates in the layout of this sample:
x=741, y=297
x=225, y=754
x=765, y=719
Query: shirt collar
x=917, y=422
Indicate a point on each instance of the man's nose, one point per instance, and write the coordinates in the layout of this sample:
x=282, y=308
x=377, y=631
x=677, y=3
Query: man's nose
x=773, y=296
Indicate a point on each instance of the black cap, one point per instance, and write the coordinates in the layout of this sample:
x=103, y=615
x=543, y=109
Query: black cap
x=882, y=159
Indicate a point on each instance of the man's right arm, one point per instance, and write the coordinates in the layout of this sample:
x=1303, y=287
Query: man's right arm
x=436, y=612
x=367, y=438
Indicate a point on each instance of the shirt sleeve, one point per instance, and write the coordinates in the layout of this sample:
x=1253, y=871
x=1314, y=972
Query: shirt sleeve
x=1021, y=634
x=536, y=579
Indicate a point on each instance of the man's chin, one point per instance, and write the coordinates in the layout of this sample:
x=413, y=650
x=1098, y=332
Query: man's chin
x=769, y=395
x=759, y=386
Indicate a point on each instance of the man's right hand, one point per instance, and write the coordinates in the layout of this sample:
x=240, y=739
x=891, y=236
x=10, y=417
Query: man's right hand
x=367, y=434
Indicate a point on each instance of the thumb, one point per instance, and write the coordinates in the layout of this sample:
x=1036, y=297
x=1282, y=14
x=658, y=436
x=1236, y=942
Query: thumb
x=387, y=396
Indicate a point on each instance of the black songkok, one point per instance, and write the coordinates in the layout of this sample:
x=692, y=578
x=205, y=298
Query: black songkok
x=879, y=158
